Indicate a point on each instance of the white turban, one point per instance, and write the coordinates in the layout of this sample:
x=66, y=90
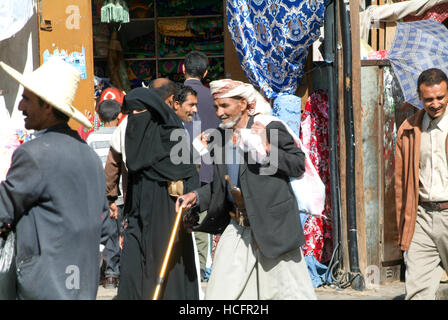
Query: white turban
x=228, y=88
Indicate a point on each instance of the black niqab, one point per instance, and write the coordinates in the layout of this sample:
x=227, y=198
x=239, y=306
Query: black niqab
x=147, y=139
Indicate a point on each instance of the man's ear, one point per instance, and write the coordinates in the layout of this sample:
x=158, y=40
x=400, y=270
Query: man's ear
x=183, y=68
x=176, y=105
x=205, y=74
x=243, y=104
x=170, y=100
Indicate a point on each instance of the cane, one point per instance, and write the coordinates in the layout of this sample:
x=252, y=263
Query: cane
x=161, y=277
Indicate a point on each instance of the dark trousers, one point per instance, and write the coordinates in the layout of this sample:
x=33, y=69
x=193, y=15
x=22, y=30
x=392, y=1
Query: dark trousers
x=112, y=251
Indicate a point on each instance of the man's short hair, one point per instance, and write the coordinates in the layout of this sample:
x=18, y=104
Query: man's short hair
x=196, y=63
x=165, y=90
x=182, y=91
x=108, y=110
x=431, y=77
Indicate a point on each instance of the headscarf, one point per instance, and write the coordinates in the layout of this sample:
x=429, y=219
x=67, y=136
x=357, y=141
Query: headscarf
x=147, y=139
x=228, y=88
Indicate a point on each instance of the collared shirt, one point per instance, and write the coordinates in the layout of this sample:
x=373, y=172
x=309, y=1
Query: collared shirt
x=433, y=168
x=37, y=134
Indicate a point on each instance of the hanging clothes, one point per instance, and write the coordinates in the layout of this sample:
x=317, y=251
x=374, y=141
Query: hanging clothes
x=272, y=39
x=314, y=136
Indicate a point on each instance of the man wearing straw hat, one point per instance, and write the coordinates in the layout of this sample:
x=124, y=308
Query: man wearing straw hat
x=54, y=195
x=258, y=255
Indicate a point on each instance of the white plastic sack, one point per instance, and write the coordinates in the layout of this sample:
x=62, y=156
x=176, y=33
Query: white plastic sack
x=7, y=268
x=6, y=252
x=309, y=189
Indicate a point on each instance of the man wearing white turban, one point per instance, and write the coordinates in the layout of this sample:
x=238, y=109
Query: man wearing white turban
x=258, y=255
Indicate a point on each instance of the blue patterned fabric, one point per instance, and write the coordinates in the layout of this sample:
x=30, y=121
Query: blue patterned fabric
x=272, y=38
x=287, y=108
x=418, y=46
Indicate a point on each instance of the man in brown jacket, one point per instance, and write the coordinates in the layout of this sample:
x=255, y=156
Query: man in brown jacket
x=421, y=186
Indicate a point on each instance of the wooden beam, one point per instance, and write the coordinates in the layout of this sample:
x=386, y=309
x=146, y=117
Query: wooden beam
x=381, y=32
x=357, y=116
x=374, y=32
x=342, y=144
x=391, y=27
x=306, y=83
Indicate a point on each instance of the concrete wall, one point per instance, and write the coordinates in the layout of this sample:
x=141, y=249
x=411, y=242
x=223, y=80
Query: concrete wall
x=22, y=53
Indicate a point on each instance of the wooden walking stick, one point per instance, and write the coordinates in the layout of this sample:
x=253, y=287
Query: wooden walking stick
x=161, y=277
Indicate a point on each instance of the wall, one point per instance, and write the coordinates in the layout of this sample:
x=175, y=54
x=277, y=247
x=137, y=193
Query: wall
x=21, y=53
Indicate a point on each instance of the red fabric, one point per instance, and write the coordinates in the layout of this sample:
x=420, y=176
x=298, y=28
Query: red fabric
x=438, y=13
x=314, y=124
x=112, y=93
x=83, y=131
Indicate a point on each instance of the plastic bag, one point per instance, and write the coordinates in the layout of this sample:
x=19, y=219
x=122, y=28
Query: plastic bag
x=7, y=268
x=309, y=189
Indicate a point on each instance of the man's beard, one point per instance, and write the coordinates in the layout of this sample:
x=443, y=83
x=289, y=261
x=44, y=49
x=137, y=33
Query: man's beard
x=231, y=123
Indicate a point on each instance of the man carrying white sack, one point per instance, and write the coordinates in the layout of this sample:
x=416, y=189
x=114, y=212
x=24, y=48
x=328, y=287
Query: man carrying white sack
x=258, y=255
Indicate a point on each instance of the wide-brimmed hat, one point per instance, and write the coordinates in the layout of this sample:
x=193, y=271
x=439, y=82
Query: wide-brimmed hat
x=55, y=82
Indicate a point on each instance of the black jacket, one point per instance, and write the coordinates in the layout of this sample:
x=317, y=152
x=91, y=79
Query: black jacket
x=270, y=203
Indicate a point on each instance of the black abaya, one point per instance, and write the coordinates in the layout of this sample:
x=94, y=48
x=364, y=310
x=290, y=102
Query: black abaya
x=150, y=209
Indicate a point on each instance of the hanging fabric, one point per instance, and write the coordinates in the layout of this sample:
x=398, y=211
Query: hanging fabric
x=272, y=39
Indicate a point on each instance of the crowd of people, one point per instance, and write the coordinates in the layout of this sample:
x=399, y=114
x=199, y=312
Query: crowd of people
x=101, y=207
x=110, y=201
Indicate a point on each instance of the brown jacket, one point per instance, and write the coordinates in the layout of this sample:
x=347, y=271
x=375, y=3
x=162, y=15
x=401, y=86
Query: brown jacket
x=113, y=169
x=407, y=159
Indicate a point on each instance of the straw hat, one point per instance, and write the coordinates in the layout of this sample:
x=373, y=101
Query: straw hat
x=56, y=82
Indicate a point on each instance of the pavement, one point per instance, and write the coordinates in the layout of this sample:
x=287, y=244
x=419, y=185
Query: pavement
x=388, y=291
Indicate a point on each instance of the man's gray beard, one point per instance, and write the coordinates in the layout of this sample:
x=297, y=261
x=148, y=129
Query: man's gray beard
x=230, y=124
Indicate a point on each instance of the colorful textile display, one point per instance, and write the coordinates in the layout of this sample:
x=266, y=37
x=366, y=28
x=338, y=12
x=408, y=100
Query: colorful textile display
x=9, y=142
x=180, y=36
x=167, y=8
x=140, y=47
x=272, y=39
x=314, y=136
x=174, y=27
x=141, y=70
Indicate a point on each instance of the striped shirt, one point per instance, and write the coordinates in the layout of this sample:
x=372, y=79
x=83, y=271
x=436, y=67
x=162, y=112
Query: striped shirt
x=100, y=142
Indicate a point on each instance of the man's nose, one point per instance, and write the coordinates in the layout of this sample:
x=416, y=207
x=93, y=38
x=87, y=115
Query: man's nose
x=20, y=106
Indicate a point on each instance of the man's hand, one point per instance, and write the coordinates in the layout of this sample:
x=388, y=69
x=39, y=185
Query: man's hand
x=188, y=199
x=260, y=129
x=4, y=231
x=113, y=210
x=120, y=241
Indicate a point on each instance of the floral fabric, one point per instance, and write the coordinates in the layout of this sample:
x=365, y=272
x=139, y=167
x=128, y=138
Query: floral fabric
x=272, y=38
x=314, y=136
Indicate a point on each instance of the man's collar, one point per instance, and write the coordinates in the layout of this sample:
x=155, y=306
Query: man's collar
x=440, y=122
x=56, y=127
x=193, y=79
